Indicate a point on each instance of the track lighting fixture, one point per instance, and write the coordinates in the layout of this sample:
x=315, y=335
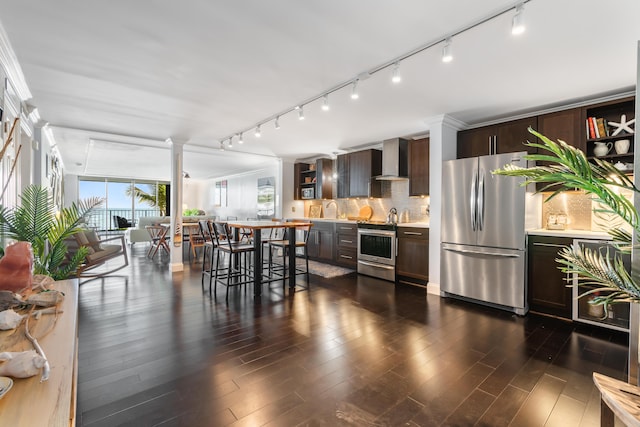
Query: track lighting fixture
x=517, y=23
x=186, y=175
x=395, y=74
x=325, y=103
x=447, y=56
x=354, y=90
x=517, y=27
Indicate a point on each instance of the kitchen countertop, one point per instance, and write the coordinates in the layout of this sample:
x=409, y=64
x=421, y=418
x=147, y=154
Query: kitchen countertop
x=352, y=221
x=577, y=234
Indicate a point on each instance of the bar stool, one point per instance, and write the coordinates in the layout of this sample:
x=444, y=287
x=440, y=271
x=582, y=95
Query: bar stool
x=283, y=245
x=224, y=244
x=208, y=247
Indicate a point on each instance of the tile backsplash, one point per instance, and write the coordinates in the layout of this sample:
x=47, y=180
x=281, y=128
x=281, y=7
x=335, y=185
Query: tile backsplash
x=575, y=204
x=395, y=195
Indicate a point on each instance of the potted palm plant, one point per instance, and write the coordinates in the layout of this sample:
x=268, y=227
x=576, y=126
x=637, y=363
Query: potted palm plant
x=37, y=221
x=567, y=168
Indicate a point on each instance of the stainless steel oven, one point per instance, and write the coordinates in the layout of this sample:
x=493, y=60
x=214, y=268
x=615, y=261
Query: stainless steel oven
x=377, y=250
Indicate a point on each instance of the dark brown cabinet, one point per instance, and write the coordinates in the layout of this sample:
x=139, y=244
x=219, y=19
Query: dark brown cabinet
x=565, y=125
x=315, y=177
x=356, y=172
x=604, y=113
x=501, y=138
x=347, y=244
x=548, y=291
x=412, y=262
x=342, y=168
x=321, y=241
x=419, y=167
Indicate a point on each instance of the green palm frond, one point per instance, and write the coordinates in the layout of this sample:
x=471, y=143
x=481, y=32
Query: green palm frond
x=36, y=221
x=567, y=168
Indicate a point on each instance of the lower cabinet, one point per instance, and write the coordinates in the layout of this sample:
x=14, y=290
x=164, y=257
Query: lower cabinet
x=412, y=261
x=548, y=291
x=347, y=245
x=321, y=241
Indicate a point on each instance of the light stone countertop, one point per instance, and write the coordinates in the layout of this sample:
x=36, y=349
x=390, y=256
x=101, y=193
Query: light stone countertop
x=414, y=224
x=576, y=234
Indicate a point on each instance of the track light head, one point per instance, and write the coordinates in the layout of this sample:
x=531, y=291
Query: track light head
x=221, y=145
x=258, y=134
x=517, y=22
x=240, y=138
x=354, y=90
x=325, y=103
x=395, y=74
x=447, y=56
x=277, y=123
x=301, y=113
x=230, y=144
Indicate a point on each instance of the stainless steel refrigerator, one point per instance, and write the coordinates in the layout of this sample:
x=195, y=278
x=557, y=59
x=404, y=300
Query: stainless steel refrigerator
x=483, y=238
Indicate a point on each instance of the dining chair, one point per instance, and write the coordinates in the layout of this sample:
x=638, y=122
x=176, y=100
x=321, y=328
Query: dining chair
x=196, y=240
x=206, y=231
x=158, y=234
x=282, y=246
x=239, y=273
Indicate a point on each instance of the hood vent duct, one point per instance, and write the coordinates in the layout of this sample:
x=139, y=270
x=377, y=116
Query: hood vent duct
x=394, y=160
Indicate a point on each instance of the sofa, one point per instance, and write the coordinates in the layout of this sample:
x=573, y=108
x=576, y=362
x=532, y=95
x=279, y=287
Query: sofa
x=140, y=234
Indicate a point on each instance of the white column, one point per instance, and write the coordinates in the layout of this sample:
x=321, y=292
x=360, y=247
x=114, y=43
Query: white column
x=177, y=149
x=443, y=135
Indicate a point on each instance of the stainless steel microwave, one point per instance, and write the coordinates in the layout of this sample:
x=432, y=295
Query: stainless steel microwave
x=308, y=193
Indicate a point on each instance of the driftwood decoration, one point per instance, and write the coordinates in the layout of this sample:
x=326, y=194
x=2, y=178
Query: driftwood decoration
x=9, y=138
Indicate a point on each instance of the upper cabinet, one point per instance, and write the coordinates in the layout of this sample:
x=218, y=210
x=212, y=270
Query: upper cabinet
x=312, y=180
x=601, y=122
x=419, y=167
x=496, y=139
x=356, y=172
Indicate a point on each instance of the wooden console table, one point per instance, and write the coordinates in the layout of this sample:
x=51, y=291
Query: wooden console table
x=31, y=403
x=618, y=400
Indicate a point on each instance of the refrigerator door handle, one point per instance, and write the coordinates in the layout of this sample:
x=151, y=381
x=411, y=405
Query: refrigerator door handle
x=480, y=196
x=466, y=251
x=472, y=199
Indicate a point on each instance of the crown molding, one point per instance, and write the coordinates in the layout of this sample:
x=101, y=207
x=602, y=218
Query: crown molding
x=11, y=66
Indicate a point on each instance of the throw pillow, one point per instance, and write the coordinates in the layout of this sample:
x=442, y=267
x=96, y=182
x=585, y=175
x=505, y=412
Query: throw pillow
x=83, y=241
x=94, y=239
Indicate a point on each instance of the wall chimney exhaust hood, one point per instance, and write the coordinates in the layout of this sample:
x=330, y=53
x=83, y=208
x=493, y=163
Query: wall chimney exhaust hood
x=394, y=160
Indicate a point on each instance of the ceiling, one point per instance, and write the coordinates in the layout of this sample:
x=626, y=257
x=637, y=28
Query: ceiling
x=116, y=79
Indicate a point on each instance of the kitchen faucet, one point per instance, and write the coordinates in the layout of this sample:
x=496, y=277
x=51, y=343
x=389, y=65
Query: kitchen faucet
x=336, y=205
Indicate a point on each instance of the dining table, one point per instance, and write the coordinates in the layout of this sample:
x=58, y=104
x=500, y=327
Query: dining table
x=256, y=227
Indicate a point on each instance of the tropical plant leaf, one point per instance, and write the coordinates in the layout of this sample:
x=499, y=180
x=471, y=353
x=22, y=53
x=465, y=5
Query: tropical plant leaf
x=568, y=169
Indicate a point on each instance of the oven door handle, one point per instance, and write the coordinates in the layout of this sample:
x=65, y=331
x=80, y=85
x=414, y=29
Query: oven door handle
x=373, y=264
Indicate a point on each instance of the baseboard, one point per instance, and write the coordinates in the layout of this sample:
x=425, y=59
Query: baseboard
x=433, y=288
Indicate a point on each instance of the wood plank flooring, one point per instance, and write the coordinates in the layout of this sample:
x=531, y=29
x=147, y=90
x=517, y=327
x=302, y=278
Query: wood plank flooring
x=154, y=350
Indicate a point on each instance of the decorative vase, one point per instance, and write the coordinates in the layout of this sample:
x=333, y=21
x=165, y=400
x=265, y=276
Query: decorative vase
x=622, y=146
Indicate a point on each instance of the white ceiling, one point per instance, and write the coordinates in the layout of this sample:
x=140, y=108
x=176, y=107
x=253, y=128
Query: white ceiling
x=116, y=79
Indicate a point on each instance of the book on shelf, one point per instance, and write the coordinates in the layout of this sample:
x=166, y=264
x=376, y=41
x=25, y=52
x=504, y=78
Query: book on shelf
x=602, y=132
x=592, y=128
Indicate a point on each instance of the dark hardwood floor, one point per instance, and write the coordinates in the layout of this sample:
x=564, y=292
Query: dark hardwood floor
x=352, y=351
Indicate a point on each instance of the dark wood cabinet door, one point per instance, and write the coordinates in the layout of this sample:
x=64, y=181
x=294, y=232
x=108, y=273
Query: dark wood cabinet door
x=412, y=261
x=324, y=171
x=325, y=250
x=548, y=291
x=363, y=165
x=297, y=171
x=475, y=142
x=511, y=136
x=419, y=167
x=343, y=176
x=565, y=125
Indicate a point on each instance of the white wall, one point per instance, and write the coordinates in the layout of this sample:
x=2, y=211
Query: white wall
x=242, y=192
